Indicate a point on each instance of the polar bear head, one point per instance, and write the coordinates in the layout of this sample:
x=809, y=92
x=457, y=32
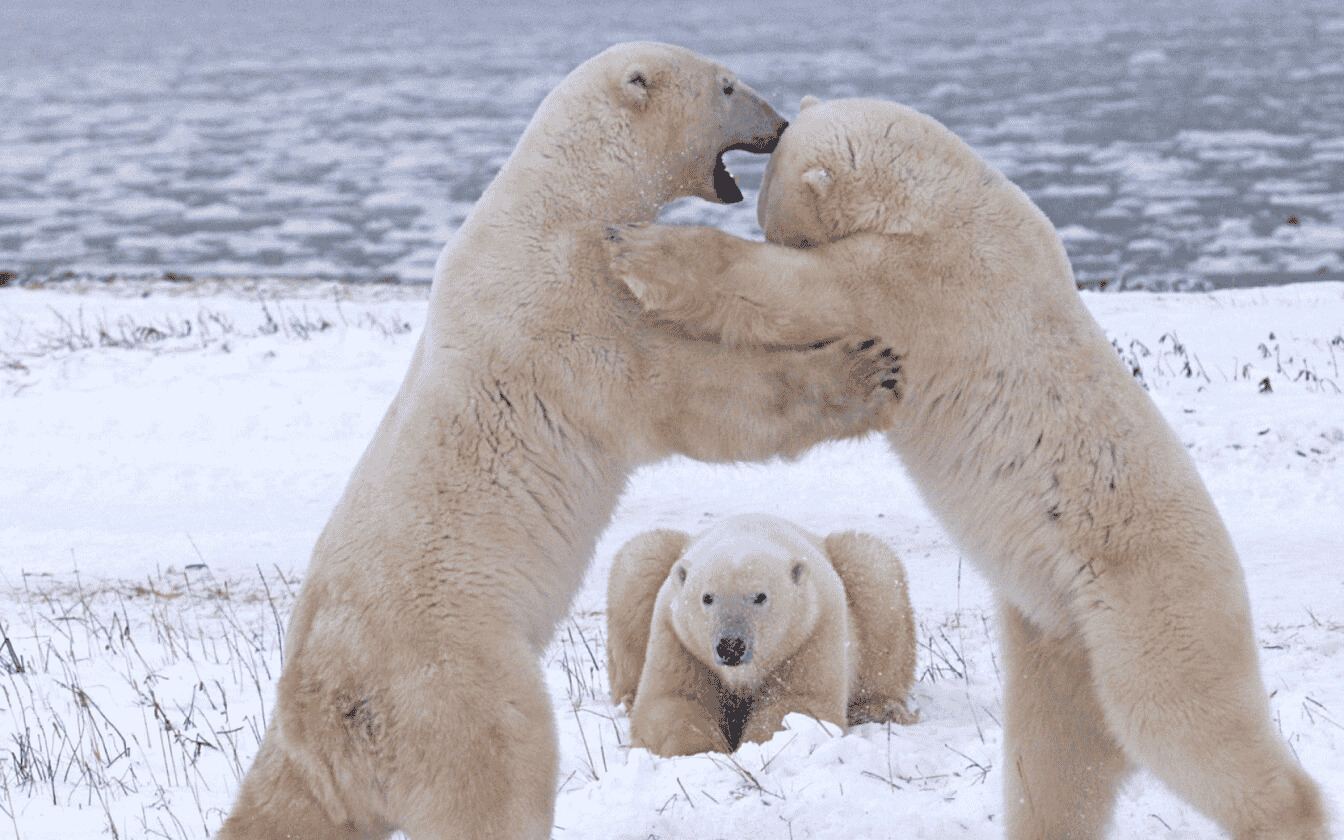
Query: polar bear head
x=657, y=114
x=746, y=594
x=691, y=110
x=867, y=166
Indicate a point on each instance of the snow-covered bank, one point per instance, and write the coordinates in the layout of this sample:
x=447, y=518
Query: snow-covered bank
x=167, y=460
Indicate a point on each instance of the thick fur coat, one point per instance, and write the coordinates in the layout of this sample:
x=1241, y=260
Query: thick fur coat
x=711, y=641
x=411, y=696
x=1126, y=623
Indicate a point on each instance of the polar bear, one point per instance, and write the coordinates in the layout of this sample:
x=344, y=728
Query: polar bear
x=711, y=641
x=411, y=696
x=1125, y=616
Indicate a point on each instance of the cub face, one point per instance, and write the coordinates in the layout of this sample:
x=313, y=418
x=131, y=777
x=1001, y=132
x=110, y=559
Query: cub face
x=863, y=166
x=690, y=111
x=743, y=601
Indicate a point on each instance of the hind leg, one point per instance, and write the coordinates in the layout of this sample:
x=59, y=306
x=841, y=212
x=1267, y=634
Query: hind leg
x=1176, y=670
x=1062, y=768
x=276, y=800
x=476, y=753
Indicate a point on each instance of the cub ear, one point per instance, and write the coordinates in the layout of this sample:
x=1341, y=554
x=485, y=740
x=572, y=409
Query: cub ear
x=797, y=572
x=807, y=102
x=819, y=179
x=635, y=87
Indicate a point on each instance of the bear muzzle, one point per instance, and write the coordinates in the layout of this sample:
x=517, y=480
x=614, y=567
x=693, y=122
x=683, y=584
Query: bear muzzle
x=753, y=126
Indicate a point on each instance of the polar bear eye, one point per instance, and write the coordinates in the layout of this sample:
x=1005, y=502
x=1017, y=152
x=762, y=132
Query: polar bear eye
x=727, y=88
x=759, y=599
x=707, y=599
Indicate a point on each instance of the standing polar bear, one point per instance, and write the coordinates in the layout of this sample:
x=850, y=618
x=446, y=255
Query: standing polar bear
x=711, y=641
x=1126, y=622
x=412, y=697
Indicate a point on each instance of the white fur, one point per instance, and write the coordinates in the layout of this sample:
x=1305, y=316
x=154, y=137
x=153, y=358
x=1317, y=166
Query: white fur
x=1128, y=635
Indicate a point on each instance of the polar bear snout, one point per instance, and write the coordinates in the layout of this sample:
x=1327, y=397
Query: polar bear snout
x=752, y=126
x=732, y=651
x=755, y=125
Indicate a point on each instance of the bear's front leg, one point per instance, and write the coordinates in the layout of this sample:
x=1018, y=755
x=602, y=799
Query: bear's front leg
x=676, y=708
x=670, y=726
x=740, y=292
x=714, y=404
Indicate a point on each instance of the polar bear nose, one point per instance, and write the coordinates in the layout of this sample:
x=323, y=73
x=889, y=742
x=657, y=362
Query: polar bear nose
x=731, y=650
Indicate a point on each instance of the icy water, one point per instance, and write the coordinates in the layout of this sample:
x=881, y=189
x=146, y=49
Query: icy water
x=1174, y=145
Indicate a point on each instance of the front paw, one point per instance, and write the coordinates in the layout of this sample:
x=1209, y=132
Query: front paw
x=687, y=742
x=684, y=737
x=875, y=369
x=629, y=264
x=856, y=384
x=882, y=711
x=642, y=257
x=670, y=269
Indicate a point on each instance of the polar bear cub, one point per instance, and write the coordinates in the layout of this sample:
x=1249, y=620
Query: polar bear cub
x=713, y=640
x=412, y=695
x=1126, y=622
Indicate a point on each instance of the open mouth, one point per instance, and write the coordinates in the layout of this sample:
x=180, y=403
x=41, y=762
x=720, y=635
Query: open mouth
x=725, y=185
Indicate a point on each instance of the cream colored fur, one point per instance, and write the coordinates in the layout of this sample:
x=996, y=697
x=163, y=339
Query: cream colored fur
x=1126, y=624
x=711, y=641
x=411, y=696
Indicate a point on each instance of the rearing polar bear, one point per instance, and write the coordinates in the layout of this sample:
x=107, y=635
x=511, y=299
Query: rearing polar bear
x=412, y=696
x=1125, y=617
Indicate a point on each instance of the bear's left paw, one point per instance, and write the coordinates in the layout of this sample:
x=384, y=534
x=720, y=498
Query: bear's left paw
x=875, y=364
x=664, y=266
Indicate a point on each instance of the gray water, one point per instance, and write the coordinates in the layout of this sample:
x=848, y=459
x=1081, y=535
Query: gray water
x=1175, y=146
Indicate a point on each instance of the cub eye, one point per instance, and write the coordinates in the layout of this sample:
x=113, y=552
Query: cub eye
x=728, y=88
x=760, y=598
x=707, y=598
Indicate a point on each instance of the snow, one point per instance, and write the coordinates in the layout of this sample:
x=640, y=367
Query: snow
x=171, y=450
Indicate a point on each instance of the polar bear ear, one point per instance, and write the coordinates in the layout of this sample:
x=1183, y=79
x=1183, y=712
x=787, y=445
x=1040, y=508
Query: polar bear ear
x=797, y=572
x=819, y=179
x=807, y=102
x=635, y=86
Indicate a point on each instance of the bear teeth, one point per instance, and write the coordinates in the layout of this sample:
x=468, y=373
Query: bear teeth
x=725, y=183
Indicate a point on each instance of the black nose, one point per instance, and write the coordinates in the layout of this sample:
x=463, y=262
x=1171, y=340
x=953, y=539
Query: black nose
x=730, y=650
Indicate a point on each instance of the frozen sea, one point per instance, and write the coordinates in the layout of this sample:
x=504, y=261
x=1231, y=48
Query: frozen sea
x=1175, y=146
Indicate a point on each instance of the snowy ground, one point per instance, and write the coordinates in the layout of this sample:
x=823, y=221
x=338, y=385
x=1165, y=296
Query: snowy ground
x=170, y=451
x=1174, y=145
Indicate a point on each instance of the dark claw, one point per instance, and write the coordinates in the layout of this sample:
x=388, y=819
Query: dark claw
x=826, y=343
x=889, y=383
x=885, y=353
x=869, y=343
